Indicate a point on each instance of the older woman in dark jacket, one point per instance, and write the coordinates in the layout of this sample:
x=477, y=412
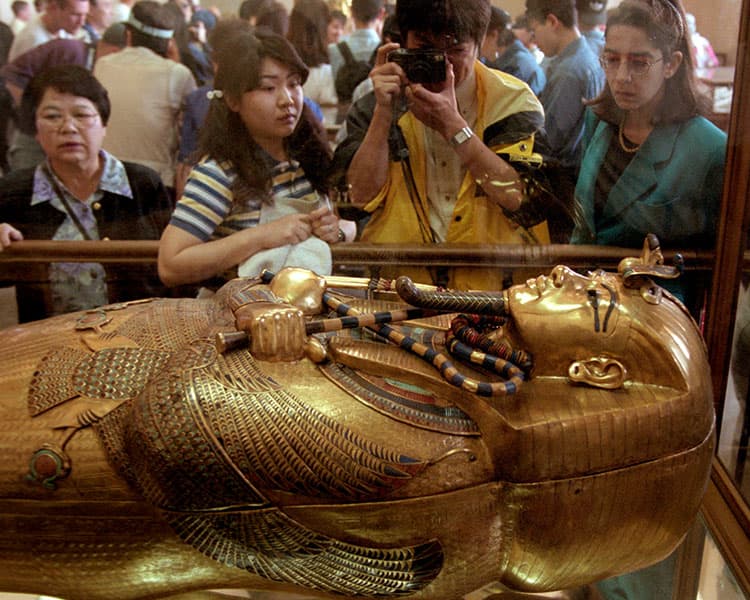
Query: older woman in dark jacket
x=79, y=192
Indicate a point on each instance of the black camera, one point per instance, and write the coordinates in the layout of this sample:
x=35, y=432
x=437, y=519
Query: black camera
x=420, y=65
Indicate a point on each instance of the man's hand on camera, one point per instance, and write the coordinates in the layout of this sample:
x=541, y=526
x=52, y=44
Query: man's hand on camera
x=437, y=110
x=387, y=77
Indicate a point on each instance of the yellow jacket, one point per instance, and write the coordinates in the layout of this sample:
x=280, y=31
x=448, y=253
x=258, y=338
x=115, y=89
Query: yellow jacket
x=508, y=112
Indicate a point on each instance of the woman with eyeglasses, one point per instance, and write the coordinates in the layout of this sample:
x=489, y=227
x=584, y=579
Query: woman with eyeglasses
x=79, y=192
x=652, y=163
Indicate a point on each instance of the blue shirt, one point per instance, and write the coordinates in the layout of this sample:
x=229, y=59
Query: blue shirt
x=572, y=76
x=194, y=111
x=519, y=62
x=595, y=38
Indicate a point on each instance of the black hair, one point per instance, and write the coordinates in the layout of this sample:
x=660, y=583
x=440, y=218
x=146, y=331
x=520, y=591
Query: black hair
x=564, y=10
x=366, y=10
x=463, y=19
x=239, y=63
x=224, y=31
x=274, y=17
x=390, y=29
x=176, y=20
x=337, y=15
x=500, y=21
x=66, y=79
x=152, y=14
x=18, y=5
x=252, y=8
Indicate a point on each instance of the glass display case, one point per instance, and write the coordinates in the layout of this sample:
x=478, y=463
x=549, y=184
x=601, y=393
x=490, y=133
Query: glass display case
x=713, y=563
x=725, y=510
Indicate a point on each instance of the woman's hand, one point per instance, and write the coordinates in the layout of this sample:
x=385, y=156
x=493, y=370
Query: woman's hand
x=9, y=234
x=185, y=258
x=289, y=229
x=325, y=224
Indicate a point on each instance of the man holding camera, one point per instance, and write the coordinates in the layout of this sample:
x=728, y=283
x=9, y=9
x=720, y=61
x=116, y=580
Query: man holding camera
x=428, y=151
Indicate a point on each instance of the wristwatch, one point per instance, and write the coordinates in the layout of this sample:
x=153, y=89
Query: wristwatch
x=464, y=134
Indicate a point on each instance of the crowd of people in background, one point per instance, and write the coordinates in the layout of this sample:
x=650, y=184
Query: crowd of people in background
x=539, y=128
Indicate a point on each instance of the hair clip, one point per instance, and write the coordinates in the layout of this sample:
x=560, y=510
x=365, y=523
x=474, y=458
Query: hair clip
x=211, y=94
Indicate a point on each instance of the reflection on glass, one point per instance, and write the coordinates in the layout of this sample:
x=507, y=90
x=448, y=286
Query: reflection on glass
x=735, y=426
x=718, y=23
x=733, y=436
x=663, y=581
x=713, y=31
x=716, y=580
x=652, y=583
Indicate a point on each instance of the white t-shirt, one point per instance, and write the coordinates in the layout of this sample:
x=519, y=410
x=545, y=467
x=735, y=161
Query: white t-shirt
x=120, y=12
x=33, y=35
x=319, y=86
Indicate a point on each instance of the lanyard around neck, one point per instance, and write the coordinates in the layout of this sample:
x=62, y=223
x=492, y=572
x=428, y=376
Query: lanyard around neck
x=68, y=208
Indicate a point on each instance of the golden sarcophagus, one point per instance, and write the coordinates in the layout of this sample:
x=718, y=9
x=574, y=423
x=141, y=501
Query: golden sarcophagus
x=412, y=443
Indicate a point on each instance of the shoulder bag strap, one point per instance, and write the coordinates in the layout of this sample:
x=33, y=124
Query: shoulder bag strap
x=346, y=52
x=68, y=208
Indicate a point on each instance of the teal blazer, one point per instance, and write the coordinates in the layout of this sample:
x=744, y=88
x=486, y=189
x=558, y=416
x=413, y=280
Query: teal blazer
x=672, y=187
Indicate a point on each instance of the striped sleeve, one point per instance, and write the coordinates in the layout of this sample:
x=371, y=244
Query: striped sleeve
x=206, y=201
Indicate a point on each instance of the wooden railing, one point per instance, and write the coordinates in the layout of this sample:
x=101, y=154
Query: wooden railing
x=366, y=254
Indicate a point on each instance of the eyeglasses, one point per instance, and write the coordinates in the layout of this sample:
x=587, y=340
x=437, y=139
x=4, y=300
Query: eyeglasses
x=637, y=65
x=55, y=120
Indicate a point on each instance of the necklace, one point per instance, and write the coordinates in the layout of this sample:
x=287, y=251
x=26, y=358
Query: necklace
x=621, y=137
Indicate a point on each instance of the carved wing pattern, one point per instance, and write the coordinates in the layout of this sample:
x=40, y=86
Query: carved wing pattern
x=289, y=552
x=166, y=325
x=117, y=373
x=51, y=384
x=177, y=465
x=212, y=440
x=280, y=442
x=112, y=373
x=215, y=431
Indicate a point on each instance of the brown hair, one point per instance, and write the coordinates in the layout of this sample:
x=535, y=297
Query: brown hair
x=308, y=24
x=564, y=10
x=665, y=26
